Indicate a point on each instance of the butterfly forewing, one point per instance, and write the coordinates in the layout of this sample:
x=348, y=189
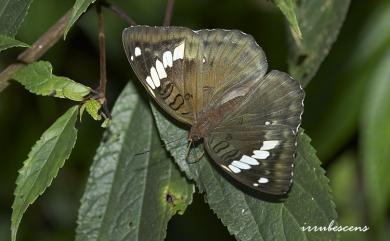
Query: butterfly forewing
x=208, y=67
x=256, y=144
x=157, y=57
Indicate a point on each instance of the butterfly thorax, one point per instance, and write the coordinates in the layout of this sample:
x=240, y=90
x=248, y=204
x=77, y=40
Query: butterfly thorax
x=205, y=122
x=209, y=119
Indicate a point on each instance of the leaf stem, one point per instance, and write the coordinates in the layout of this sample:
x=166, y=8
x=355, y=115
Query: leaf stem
x=45, y=42
x=168, y=12
x=119, y=12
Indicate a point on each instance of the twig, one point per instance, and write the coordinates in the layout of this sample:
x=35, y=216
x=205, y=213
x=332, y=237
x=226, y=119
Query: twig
x=119, y=12
x=102, y=62
x=102, y=53
x=168, y=12
x=45, y=42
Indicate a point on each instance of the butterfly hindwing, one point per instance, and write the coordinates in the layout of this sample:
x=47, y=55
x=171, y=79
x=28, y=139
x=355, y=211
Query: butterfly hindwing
x=256, y=144
x=232, y=63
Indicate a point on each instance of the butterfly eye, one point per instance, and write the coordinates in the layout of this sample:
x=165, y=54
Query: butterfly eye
x=195, y=138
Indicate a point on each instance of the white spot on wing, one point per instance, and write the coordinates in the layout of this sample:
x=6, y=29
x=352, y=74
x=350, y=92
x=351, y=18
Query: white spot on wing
x=150, y=82
x=268, y=145
x=267, y=123
x=240, y=165
x=263, y=180
x=178, y=53
x=234, y=169
x=227, y=169
x=260, y=154
x=137, y=51
x=160, y=70
x=249, y=160
x=151, y=91
x=132, y=57
x=153, y=73
x=167, y=59
x=255, y=184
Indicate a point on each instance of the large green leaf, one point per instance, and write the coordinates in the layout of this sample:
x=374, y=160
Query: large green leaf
x=375, y=127
x=320, y=22
x=337, y=119
x=251, y=218
x=38, y=79
x=12, y=14
x=288, y=9
x=133, y=188
x=46, y=157
x=79, y=7
x=8, y=42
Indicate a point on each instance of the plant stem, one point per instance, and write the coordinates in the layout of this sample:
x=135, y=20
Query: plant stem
x=102, y=62
x=45, y=42
x=168, y=12
x=119, y=12
x=102, y=53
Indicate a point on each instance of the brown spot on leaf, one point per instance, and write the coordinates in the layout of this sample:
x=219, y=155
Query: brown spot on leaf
x=53, y=93
x=169, y=198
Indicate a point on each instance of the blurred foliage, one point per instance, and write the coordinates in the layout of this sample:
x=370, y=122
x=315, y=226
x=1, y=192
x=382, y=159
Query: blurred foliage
x=334, y=117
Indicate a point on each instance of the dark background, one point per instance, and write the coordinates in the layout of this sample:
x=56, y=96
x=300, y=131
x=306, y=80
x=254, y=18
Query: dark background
x=23, y=116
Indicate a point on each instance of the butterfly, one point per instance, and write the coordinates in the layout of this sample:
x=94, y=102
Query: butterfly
x=216, y=82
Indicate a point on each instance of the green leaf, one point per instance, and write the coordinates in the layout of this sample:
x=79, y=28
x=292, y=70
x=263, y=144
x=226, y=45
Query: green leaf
x=8, y=42
x=46, y=157
x=288, y=9
x=38, y=79
x=133, y=188
x=375, y=127
x=251, y=218
x=79, y=7
x=337, y=120
x=12, y=14
x=92, y=106
x=320, y=23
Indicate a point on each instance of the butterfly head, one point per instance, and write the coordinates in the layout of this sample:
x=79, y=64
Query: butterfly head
x=195, y=134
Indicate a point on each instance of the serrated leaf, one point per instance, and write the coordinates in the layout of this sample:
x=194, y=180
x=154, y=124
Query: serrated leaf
x=38, y=79
x=92, y=106
x=46, y=157
x=12, y=14
x=320, y=22
x=7, y=42
x=79, y=7
x=351, y=86
x=375, y=127
x=251, y=218
x=288, y=9
x=133, y=188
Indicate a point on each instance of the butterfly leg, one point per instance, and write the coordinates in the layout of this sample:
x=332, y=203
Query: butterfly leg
x=196, y=159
